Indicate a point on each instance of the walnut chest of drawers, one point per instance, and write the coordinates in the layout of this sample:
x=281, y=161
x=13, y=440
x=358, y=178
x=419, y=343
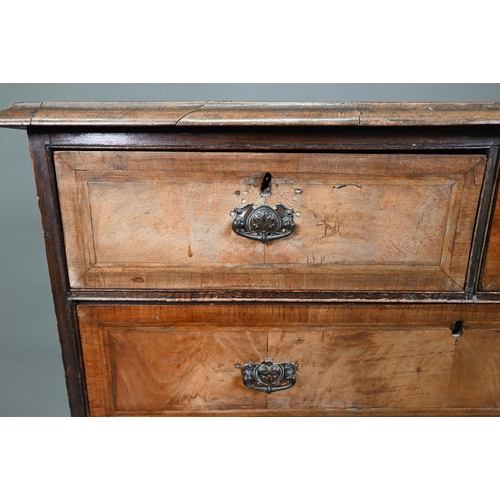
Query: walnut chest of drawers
x=272, y=258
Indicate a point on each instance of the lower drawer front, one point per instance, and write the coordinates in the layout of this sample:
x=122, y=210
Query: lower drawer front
x=359, y=359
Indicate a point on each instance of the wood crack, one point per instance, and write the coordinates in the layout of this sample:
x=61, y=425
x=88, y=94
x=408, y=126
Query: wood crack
x=358, y=113
x=190, y=112
x=481, y=160
x=34, y=112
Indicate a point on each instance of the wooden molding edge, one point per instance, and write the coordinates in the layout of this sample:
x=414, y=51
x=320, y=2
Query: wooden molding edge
x=233, y=113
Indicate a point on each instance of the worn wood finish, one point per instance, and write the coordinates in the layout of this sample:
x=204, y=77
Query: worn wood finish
x=367, y=222
x=421, y=113
x=490, y=279
x=347, y=412
x=54, y=245
x=157, y=359
x=486, y=207
x=178, y=368
x=210, y=113
x=146, y=295
x=491, y=273
x=303, y=138
x=353, y=113
x=390, y=366
x=18, y=115
x=50, y=113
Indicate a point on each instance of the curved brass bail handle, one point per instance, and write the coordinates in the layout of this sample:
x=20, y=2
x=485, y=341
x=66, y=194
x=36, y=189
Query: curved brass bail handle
x=263, y=223
x=269, y=376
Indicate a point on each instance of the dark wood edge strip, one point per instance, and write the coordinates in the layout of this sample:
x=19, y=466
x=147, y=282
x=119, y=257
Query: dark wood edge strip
x=482, y=222
x=483, y=297
x=65, y=310
x=494, y=198
x=164, y=296
x=414, y=139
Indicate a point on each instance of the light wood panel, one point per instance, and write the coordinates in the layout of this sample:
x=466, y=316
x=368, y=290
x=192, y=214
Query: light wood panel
x=146, y=360
x=180, y=369
x=391, y=367
x=363, y=222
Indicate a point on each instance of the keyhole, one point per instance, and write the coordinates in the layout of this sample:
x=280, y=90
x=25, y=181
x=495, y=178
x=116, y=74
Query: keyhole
x=457, y=329
x=265, y=188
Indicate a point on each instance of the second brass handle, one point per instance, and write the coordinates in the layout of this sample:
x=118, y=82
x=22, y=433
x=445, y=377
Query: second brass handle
x=269, y=376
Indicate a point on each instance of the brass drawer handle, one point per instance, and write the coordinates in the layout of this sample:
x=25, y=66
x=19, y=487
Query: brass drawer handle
x=263, y=223
x=269, y=376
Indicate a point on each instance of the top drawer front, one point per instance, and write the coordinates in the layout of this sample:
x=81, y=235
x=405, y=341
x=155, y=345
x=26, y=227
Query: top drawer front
x=368, y=222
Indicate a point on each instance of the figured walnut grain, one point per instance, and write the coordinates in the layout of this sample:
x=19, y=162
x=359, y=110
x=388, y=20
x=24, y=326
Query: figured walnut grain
x=146, y=360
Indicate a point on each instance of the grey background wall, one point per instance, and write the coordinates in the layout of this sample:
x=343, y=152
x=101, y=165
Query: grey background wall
x=31, y=372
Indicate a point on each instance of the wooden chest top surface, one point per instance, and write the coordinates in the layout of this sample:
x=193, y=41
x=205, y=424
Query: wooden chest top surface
x=228, y=113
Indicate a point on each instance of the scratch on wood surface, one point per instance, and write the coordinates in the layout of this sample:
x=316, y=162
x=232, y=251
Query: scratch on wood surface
x=478, y=177
x=397, y=248
x=342, y=186
x=478, y=173
x=332, y=228
x=420, y=221
x=418, y=370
